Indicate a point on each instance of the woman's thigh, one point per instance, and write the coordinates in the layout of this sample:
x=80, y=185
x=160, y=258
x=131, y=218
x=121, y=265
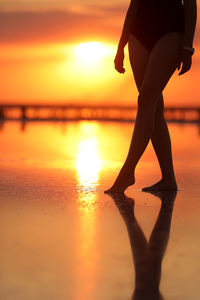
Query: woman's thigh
x=162, y=63
x=139, y=57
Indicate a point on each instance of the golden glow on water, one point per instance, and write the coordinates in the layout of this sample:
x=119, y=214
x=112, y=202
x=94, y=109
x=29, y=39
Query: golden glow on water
x=76, y=240
x=87, y=249
x=88, y=161
x=88, y=164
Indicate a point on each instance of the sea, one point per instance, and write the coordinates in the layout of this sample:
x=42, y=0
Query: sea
x=62, y=238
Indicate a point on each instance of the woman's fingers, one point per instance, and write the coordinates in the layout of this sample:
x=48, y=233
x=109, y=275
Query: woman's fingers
x=119, y=62
x=186, y=61
x=186, y=65
x=120, y=68
x=179, y=64
x=184, y=69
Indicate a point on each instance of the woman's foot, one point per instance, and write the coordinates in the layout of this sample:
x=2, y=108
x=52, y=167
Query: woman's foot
x=125, y=179
x=125, y=205
x=162, y=185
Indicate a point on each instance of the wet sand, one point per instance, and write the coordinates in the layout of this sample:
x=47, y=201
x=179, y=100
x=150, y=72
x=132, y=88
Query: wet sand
x=63, y=238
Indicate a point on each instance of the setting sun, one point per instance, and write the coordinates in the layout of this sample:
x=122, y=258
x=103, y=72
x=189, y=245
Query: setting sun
x=91, y=52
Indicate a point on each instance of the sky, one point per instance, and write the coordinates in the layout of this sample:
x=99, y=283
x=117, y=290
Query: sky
x=40, y=59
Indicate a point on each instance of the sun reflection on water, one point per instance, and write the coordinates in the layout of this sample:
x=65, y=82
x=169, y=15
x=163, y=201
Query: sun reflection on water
x=88, y=162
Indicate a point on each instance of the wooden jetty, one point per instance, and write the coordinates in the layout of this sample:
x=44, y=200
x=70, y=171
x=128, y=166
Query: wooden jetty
x=71, y=112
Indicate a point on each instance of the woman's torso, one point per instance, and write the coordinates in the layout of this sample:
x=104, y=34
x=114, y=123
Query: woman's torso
x=159, y=7
x=154, y=18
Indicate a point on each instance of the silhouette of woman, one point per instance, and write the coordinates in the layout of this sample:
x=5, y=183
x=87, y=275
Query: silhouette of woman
x=160, y=39
x=147, y=256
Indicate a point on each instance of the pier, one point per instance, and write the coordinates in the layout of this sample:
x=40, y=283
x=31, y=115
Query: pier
x=71, y=112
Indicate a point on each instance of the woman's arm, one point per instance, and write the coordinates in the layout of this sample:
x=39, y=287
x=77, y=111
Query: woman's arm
x=125, y=36
x=127, y=24
x=190, y=12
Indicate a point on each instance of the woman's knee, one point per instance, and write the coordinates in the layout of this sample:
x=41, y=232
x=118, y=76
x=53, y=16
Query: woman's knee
x=147, y=100
x=160, y=107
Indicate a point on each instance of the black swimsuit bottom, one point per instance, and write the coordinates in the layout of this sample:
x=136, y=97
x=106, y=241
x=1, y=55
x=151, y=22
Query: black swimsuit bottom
x=155, y=18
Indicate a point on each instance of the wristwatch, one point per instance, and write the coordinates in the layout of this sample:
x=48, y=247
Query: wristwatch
x=188, y=48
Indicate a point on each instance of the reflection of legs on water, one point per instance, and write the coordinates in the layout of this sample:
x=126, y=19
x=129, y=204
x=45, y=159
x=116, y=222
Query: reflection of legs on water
x=158, y=68
x=147, y=256
x=160, y=234
x=137, y=238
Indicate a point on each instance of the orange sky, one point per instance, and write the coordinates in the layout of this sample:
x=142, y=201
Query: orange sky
x=38, y=55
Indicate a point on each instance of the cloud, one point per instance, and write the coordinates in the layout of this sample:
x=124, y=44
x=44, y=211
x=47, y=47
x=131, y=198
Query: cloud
x=76, y=22
x=44, y=5
x=73, y=23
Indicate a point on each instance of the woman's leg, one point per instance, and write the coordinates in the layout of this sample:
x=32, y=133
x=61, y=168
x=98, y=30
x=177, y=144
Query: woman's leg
x=162, y=63
x=139, y=57
x=160, y=139
x=162, y=145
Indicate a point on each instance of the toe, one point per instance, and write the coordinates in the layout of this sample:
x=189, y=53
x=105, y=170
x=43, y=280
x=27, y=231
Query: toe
x=113, y=191
x=148, y=189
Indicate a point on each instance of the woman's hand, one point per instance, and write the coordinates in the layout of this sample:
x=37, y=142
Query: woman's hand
x=119, y=61
x=185, y=60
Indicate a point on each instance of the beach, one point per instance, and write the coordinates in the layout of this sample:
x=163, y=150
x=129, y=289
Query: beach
x=63, y=238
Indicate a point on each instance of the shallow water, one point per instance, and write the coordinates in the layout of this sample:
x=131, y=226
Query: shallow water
x=62, y=238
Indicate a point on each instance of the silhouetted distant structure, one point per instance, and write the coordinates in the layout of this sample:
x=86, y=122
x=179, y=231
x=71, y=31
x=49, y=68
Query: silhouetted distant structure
x=47, y=112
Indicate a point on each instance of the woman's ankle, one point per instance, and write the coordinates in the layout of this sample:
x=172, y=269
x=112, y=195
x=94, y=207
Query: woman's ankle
x=169, y=178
